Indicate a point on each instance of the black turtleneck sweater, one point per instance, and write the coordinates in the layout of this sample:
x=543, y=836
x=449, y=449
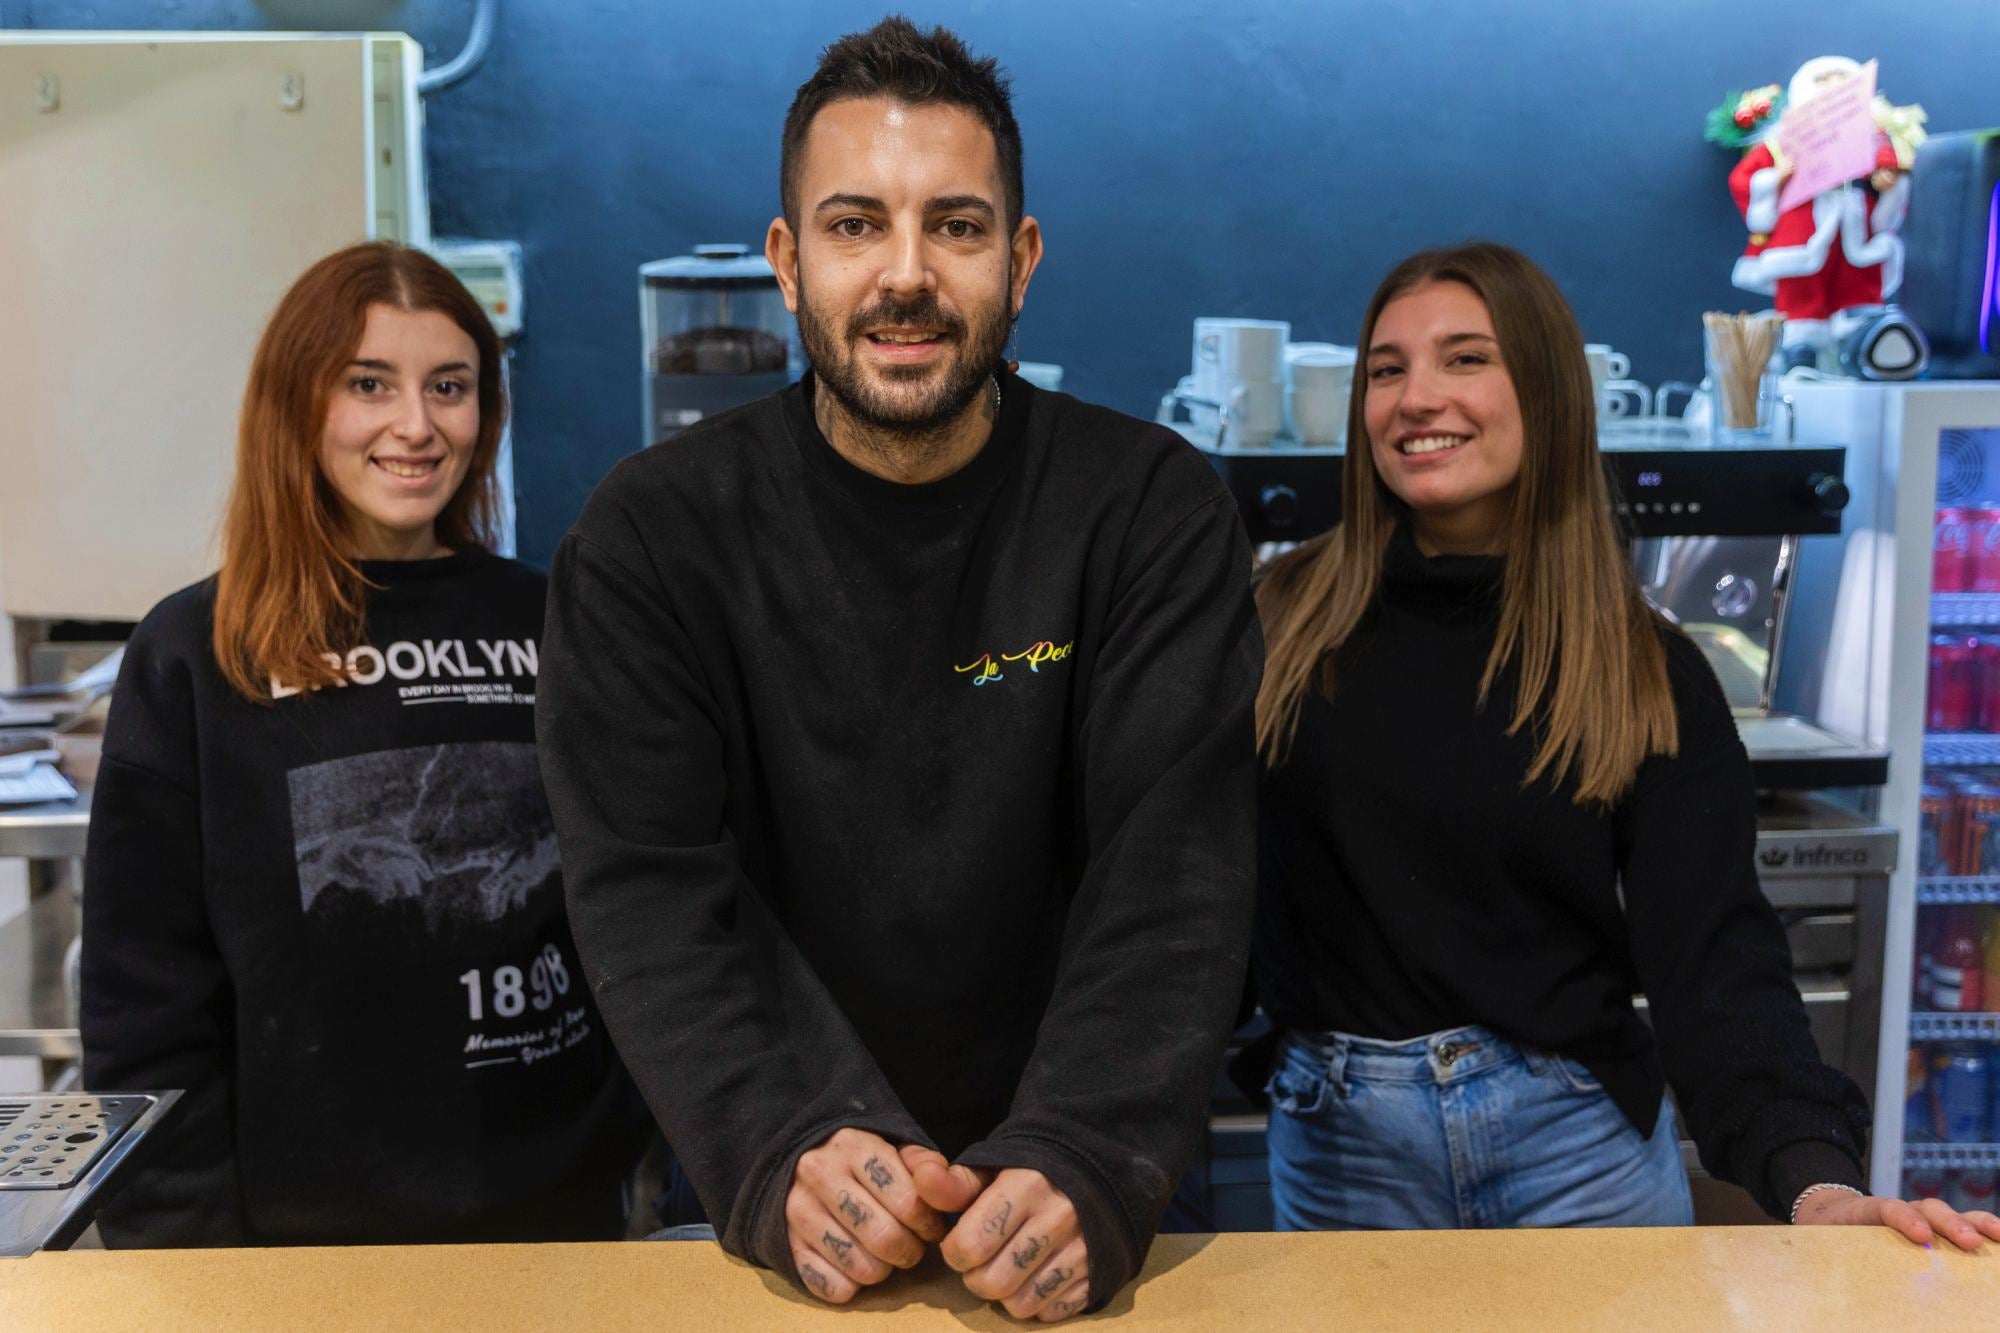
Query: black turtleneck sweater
x=922, y=809
x=1410, y=884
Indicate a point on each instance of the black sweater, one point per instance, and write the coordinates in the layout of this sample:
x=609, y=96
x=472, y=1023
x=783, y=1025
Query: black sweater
x=336, y=920
x=925, y=809
x=1409, y=884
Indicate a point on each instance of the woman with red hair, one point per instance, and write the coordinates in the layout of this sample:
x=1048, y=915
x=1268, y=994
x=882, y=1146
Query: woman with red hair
x=322, y=894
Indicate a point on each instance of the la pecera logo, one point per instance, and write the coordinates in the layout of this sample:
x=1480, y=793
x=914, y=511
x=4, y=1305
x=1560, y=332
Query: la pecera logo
x=1036, y=656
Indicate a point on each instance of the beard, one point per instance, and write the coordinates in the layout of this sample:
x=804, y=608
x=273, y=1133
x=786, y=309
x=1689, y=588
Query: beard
x=910, y=403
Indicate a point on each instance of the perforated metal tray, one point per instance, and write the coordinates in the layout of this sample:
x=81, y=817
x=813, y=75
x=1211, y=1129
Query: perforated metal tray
x=47, y=1142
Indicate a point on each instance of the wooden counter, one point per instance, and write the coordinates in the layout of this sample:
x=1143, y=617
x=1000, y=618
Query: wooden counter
x=1688, y=1280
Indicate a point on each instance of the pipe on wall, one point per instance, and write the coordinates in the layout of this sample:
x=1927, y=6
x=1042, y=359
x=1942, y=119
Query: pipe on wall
x=466, y=61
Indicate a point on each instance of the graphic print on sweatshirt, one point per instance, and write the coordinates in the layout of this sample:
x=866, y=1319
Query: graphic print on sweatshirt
x=435, y=671
x=438, y=864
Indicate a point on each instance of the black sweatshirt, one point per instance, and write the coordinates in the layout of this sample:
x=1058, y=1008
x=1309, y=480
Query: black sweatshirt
x=922, y=809
x=336, y=920
x=1409, y=885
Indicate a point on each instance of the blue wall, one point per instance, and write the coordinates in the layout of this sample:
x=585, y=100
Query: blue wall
x=1248, y=157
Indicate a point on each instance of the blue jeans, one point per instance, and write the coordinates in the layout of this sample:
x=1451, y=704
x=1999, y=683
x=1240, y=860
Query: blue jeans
x=686, y=1231
x=1459, y=1129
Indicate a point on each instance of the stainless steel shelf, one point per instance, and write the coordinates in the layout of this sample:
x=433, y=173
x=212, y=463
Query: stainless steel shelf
x=36, y=1015
x=1965, y=610
x=1954, y=1027
x=1951, y=1155
x=1967, y=749
x=1958, y=890
x=56, y=830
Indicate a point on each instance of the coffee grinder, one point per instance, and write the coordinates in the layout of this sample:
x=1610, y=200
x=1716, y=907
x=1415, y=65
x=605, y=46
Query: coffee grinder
x=715, y=334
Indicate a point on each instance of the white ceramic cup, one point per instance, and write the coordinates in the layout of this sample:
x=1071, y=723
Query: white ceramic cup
x=1257, y=413
x=1605, y=365
x=1322, y=377
x=1228, y=352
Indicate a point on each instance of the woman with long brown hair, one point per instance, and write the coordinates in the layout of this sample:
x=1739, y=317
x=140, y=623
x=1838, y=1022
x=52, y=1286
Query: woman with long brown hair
x=322, y=894
x=1501, y=796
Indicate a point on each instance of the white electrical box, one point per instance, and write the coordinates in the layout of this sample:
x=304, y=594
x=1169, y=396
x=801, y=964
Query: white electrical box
x=491, y=271
x=161, y=191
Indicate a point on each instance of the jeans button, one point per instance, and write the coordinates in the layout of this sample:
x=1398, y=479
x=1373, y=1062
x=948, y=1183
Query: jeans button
x=1447, y=1054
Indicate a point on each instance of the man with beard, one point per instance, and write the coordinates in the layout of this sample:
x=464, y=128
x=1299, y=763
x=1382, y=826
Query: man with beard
x=898, y=733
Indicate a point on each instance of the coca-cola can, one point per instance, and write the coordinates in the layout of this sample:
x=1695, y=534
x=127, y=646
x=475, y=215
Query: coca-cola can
x=1986, y=652
x=1970, y=1190
x=1953, y=697
x=1983, y=537
x=1951, y=550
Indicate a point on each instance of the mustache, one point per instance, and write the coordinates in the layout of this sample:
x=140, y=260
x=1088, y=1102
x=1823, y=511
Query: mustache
x=921, y=310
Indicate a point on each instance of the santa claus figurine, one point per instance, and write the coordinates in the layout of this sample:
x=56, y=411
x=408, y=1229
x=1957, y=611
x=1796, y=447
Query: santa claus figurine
x=1837, y=252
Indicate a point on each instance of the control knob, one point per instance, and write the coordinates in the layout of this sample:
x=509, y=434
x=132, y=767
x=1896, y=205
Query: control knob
x=1827, y=493
x=1279, y=504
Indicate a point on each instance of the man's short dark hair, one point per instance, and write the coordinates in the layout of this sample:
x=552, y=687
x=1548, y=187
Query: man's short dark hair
x=897, y=60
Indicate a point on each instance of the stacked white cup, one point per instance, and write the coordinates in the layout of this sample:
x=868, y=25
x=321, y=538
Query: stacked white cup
x=1241, y=362
x=1321, y=376
x=1607, y=367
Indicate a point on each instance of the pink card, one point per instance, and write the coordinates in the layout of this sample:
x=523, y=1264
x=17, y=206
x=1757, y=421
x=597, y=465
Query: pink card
x=1830, y=139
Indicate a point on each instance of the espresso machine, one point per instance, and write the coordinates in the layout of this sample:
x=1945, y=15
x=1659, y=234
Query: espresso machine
x=715, y=334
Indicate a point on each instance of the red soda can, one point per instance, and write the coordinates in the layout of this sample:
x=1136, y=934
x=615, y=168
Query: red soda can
x=1987, y=654
x=1979, y=834
x=1951, y=550
x=1958, y=784
x=1971, y=1192
x=1983, y=537
x=1933, y=831
x=1953, y=702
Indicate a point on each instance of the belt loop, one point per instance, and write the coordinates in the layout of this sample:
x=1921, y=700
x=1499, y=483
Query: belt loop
x=1336, y=1067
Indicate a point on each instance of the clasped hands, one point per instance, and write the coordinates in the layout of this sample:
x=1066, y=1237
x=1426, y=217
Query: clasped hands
x=860, y=1208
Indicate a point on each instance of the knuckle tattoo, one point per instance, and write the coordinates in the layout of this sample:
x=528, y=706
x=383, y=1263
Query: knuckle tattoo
x=1064, y=1309
x=816, y=1280
x=851, y=1210
x=998, y=1222
x=1027, y=1253
x=841, y=1250
x=1051, y=1284
x=878, y=1175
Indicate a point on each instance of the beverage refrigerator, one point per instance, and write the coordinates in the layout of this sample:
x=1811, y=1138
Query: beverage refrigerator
x=1905, y=630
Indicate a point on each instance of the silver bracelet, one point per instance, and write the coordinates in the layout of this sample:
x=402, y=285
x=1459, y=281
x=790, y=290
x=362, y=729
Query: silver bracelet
x=1811, y=1190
